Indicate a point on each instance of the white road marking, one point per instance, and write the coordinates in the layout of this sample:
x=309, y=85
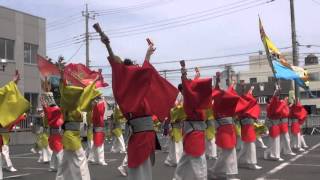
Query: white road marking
x=35, y=168
x=15, y=176
x=24, y=154
x=312, y=165
x=289, y=162
x=24, y=157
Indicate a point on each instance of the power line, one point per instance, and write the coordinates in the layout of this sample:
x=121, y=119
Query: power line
x=181, y=21
x=75, y=53
x=131, y=8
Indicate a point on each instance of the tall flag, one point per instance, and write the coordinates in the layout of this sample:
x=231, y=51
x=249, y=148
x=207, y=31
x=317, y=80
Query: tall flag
x=74, y=74
x=80, y=75
x=281, y=68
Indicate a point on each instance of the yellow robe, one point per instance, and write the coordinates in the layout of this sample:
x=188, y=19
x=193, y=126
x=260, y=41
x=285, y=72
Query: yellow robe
x=177, y=115
x=73, y=101
x=12, y=104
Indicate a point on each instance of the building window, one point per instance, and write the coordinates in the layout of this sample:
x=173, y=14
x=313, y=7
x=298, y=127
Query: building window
x=253, y=80
x=262, y=100
x=33, y=99
x=271, y=79
x=30, y=53
x=6, y=49
x=315, y=76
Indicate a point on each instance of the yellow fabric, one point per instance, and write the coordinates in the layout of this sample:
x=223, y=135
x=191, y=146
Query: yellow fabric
x=209, y=114
x=118, y=116
x=238, y=128
x=210, y=132
x=42, y=140
x=259, y=129
x=156, y=125
x=5, y=138
x=73, y=101
x=71, y=140
x=117, y=132
x=176, y=134
x=12, y=104
x=177, y=114
x=90, y=134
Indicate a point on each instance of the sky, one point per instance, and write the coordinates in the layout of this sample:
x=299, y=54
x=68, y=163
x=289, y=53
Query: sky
x=180, y=29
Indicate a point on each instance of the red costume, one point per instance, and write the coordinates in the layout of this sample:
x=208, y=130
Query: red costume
x=98, y=123
x=141, y=92
x=55, y=121
x=197, y=98
x=276, y=110
x=297, y=112
x=226, y=105
x=248, y=133
x=284, y=126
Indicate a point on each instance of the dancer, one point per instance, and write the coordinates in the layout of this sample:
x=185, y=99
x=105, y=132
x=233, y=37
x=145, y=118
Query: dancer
x=140, y=93
x=118, y=140
x=247, y=156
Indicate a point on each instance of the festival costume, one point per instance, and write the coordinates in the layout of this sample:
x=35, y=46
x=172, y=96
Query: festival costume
x=134, y=89
x=297, y=117
x=10, y=96
x=285, y=147
x=118, y=141
x=197, y=98
x=55, y=120
x=226, y=105
x=247, y=155
x=274, y=114
x=211, y=147
x=73, y=101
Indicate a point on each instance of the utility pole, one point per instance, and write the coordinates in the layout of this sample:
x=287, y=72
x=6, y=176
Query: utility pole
x=87, y=16
x=294, y=47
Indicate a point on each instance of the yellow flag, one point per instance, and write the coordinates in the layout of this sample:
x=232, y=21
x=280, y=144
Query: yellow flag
x=89, y=93
x=266, y=41
x=12, y=104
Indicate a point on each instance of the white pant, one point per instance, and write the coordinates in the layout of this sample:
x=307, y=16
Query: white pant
x=239, y=143
x=143, y=172
x=303, y=142
x=191, y=168
x=226, y=163
x=45, y=154
x=285, y=143
x=97, y=154
x=89, y=152
x=56, y=160
x=296, y=141
x=247, y=154
x=6, y=155
x=260, y=142
x=124, y=163
x=175, y=152
x=74, y=166
x=1, y=174
x=211, y=148
x=273, y=150
x=118, y=145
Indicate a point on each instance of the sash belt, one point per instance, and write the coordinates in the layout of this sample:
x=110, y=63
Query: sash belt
x=141, y=124
x=223, y=121
x=190, y=126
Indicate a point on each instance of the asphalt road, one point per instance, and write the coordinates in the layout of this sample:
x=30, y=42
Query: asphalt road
x=303, y=166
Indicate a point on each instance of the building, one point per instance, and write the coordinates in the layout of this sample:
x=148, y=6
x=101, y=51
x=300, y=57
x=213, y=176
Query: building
x=22, y=37
x=260, y=75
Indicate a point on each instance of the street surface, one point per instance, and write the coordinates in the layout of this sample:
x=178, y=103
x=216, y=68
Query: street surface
x=303, y=166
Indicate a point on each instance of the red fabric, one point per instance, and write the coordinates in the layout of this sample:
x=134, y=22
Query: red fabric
x=253, y=110
x=274, y=131
x=140, y=146
x=248, y=133
x=277, y=108
x=47, y=68
x=54, y=116
x=194, y=143
x=295, y=128
x=17, y=121
x=98, y=114
x=297, y=111
x=284, y=127
x=226, y=136
x=226, y=103
x=197, y=97
x=98, y=121
x=141, y=91
x=55, y=142
x=82, y=76
x=98, y=138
